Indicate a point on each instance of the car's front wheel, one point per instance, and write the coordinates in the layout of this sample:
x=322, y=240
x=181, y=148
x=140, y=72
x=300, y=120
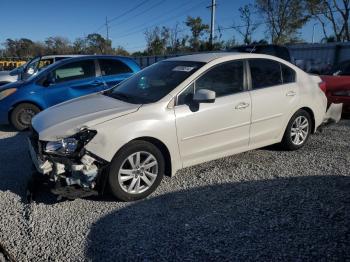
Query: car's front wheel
x=22, y=114
x=136, y=171
x=297, y=131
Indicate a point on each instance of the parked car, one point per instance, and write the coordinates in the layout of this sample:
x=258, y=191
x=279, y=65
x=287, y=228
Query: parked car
x=30, y=68
x=6, y=77
x=337, y=82
x=338, y=91
x=176, y=113
x=274, y=50
x=61, y=81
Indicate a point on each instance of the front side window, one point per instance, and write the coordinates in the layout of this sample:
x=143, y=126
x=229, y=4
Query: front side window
x=265, y=73
x=113, y=67
x=154, y=82
x=74, y=71
x=224, y=79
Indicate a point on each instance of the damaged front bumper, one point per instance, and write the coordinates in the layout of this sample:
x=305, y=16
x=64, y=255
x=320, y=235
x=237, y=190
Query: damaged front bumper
x=69, y=175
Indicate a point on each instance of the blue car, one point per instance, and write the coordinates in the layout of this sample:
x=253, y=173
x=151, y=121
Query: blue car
x=59, y=82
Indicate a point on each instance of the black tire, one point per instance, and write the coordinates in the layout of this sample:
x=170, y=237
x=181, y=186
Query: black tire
x=287, y=141
x=119, y=160
x=22, y=115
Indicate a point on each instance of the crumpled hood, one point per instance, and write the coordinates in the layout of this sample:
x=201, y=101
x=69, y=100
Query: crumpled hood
x=66, y=119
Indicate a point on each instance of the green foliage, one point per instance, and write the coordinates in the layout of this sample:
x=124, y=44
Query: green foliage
x=92, y=44
x=199, y=31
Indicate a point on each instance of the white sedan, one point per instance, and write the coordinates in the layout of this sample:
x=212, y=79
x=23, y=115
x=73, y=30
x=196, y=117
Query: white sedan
x=174, y=114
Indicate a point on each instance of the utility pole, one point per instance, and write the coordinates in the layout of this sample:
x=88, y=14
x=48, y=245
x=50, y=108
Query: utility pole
x=212, y=24
x=107, y=29
x=313, y=33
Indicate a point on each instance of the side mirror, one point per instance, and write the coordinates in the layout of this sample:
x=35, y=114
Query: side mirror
x=50, y=79
x=337, y=73
x=204, y=96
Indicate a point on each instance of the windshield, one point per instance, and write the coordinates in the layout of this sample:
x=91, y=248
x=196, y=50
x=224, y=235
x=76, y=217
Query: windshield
x=41, y=72
x=154, y=82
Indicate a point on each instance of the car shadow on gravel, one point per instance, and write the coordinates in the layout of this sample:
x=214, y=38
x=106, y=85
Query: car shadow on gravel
x=301, y=218
x=15, y=164
x=7, y=128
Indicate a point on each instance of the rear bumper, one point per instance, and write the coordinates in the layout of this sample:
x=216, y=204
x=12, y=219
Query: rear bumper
x=333, y=113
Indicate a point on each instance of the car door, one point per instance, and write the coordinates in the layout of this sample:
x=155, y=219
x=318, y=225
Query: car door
x=114, y=71
x=274, y=93
x=72, y=80
x=213, y=130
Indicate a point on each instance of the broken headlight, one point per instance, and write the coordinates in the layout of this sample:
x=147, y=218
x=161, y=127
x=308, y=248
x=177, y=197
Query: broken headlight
x=66, y=146
x=70, y=145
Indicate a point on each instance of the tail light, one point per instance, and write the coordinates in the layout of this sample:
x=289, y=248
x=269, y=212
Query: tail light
x=323, y=86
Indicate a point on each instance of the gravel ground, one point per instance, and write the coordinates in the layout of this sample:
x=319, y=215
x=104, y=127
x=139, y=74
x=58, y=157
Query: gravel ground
x=261, y=205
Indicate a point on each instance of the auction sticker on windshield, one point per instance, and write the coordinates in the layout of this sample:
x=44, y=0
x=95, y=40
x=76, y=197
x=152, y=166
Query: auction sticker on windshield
x=183, y=68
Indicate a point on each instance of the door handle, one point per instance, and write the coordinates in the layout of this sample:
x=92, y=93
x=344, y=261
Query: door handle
x=291, y=93
x=96, y=83
x=242, y=105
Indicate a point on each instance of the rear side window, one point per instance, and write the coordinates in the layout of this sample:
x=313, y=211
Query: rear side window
x=75, y=71
x=288, y=74
x=113, y=67
x=265, y=73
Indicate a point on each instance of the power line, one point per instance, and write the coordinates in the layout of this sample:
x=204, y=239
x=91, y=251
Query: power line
x=142, y=12
x=106, y=23
x=163, y=20
x=129, y=11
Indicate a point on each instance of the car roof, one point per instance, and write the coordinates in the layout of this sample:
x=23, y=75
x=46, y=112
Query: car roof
x=208, y=57
x=53, y=56
x=202, y=57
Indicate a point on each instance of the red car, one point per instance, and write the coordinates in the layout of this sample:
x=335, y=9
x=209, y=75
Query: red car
x=338, y=86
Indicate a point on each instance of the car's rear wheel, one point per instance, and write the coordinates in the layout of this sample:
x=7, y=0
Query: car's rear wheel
x=21, y=116
x=298, y=131
x=136, y=171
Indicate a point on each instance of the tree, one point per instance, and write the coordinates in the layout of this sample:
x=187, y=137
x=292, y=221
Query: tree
x=198, y=30
x=157, y=40
x=283, y=18
x=23, y=47
x=97, y=44
x=249, y=27
x=58, y=45
x=80, y=46
x=333, y=12
x=121, y=51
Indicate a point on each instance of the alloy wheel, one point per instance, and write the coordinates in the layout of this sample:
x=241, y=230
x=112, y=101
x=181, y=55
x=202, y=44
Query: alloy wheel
x=138, y=172
x=300, y=130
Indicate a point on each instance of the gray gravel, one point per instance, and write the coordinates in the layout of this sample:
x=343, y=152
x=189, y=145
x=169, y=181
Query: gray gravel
x=260, y=205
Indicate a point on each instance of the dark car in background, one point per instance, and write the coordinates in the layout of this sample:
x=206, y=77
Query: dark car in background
x=274, y=50
x=59, y=82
